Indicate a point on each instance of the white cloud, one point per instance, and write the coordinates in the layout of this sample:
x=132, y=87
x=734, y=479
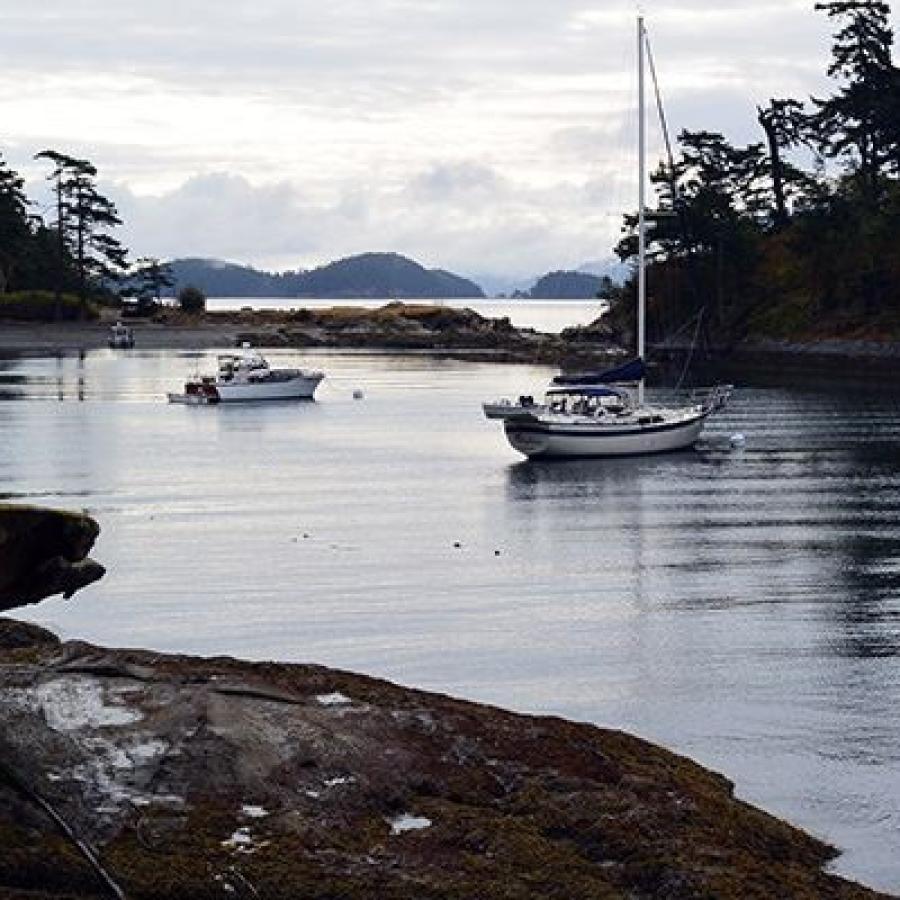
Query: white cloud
x=464, y=217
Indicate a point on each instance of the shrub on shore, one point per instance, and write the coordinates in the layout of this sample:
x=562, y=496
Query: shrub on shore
x=42, y=306
x=191, y=299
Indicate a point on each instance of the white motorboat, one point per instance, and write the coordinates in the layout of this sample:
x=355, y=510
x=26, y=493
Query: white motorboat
x=247, y=376
x=605, y=414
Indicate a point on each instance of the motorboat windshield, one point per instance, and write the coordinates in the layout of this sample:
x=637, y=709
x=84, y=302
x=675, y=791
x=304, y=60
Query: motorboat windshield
x=245, y=364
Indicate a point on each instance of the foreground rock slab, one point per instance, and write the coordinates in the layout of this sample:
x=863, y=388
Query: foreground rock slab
x=193, y=778
x=44, y=552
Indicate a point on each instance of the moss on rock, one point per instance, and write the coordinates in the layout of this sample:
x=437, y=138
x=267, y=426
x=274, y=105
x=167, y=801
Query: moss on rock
x=288, y=781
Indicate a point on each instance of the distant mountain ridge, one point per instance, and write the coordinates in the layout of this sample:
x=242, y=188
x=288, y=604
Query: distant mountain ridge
x=368, y=275
x=566, y=286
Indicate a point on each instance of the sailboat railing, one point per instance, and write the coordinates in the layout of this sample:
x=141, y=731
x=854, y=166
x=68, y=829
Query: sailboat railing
x=711, y=398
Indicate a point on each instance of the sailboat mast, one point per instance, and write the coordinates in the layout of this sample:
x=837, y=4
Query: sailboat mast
x=642, y=208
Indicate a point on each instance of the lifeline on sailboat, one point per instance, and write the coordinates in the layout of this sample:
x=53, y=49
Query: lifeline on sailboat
x=605, y=414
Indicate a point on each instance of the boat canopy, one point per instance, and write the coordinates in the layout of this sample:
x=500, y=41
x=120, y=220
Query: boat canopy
x=633, y=371
x=584, y=391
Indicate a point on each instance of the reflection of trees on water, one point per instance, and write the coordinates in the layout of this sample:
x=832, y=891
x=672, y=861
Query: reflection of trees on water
x=865, y=507
x=868, y=608
x=52, y=379
x=79, y=392
x=10, y=382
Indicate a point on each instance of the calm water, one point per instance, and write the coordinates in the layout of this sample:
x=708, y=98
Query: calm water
x=739, y=606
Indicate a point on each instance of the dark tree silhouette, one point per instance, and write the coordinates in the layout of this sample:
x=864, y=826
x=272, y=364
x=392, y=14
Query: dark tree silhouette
x=149, y=278
x=15, y=230
x=858, y=123
x=84, y=218
x=783, y=122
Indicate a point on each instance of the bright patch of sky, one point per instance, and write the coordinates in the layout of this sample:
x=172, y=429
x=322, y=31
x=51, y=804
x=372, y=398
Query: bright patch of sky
x=483, y=136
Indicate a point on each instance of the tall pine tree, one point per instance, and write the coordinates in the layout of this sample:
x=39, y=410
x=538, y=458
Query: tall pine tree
x=84, y=218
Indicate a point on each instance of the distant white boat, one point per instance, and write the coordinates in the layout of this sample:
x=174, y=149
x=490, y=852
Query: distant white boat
x=121, y=337
x=245, y=377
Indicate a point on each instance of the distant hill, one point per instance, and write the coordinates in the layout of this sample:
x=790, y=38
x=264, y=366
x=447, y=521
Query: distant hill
x=370, y=275
x=383, y=275
x=611, y=266
x=223, y=279
x=567, y=286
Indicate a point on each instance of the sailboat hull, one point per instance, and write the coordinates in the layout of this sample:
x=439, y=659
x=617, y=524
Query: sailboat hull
x=547, y=440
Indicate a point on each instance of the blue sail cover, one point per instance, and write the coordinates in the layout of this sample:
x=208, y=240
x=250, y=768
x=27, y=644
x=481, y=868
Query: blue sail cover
x=633, y=371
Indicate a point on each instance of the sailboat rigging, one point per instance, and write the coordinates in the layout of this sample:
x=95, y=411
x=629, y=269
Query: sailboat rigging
x=606, y=414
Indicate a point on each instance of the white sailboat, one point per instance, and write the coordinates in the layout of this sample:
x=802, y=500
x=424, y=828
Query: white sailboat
x=606, y=414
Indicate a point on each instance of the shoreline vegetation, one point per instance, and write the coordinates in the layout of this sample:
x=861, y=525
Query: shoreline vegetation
x=792, y=238
x=139, y=774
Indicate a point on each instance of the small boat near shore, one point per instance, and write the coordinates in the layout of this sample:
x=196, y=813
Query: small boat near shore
x=247, y=377
x=121, y=337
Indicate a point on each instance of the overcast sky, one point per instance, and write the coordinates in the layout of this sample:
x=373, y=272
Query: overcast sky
x=482, y=136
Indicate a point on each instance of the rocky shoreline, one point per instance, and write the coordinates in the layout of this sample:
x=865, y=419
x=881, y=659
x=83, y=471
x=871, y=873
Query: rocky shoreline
x=129, y=773
x=446, y=331
x=396, y=326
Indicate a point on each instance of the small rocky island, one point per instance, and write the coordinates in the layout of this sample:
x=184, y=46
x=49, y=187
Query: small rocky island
x=127, y=773
x=436, y=328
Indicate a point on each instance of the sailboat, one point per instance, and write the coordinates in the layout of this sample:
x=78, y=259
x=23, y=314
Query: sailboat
x=605, y=414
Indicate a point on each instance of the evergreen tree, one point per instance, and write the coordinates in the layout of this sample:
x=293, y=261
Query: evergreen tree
x=784, y=124
x=15, y=230
x=859, y=123
x=61, y=227
x=149, y=279
x=84, y=218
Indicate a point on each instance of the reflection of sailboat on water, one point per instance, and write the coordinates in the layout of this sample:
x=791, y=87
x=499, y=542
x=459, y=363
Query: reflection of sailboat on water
x=605, y=414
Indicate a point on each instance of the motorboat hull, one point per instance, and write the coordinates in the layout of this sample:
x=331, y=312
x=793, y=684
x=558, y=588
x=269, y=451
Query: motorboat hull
x=541, y=439
x=301, y=387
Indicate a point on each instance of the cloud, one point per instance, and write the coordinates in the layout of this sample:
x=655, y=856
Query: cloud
x=462, y=216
